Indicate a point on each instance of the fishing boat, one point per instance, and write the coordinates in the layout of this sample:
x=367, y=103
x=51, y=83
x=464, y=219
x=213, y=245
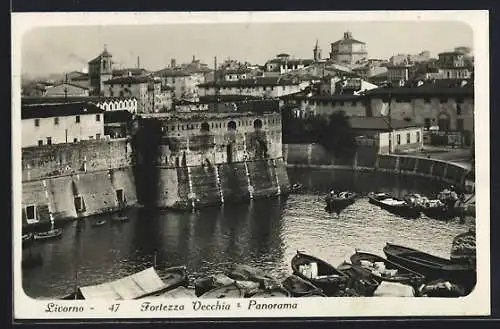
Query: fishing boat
x=272, y=293
x=140, y=285
x=432, y=267
x=338, y=202
x=435, y=209
x=120, y=218
x=319, y=273
x=299, y=287
x=382, y=269
x=99, y=223
x=363, y=283
x=228, y=291
x=394, y=205
x=54, y=233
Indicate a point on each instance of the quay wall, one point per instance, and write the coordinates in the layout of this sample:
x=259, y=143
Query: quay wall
x=69, y=181
x=366, y=159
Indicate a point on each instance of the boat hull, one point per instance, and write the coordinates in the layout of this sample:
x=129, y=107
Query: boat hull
x=432, y=267
x=50, y=235
x=228, y=291
x=440, y=213
x=332, y=280
x=299, y=287
x=405, y=211
x=339, y=204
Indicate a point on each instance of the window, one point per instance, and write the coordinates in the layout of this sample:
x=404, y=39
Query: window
x=97, y=117
x=427, y=123
x=353, y=103
x=37, y=122
x=75, y=140
x=459, y=109
x=56, y=121
x=40, y=142
x=427, y=100
x=79, y=203
x=460, y=124
x=398, y=139
x=31, y=214
x=97, y=136
x=119, y=196
x=77, y=119
x=408, y=138
x=418, y=136
x=49, y=140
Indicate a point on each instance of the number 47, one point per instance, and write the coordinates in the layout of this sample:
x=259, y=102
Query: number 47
x=114, y=307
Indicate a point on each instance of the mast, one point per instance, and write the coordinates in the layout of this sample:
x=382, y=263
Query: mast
x=390, y=124
x=66, y=88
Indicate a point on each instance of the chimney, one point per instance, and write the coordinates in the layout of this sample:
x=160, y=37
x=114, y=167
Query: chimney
x=194, y=58
x=173, y=63
x=138, y=63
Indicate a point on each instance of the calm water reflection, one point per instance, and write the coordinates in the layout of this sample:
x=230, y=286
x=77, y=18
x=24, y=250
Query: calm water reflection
x=264, y=233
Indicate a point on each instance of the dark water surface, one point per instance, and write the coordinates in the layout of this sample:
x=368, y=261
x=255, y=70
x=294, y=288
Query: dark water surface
x=263, y=233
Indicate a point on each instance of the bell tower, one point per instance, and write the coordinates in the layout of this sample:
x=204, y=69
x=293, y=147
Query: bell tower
x=317, y=52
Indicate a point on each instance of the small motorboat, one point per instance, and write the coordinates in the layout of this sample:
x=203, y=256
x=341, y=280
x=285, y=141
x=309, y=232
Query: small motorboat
x=394, y=205
x=432, y=267
x=228, y=291
x=441, y=288
x=382, y=269
x=27, y=239
x=49, y=235
x=174, y=277
x=99, y=223
x=319, y=273
x=299, y=287
x=340, y=201
x=272, y=293
x=363, y=283
x=296, y=188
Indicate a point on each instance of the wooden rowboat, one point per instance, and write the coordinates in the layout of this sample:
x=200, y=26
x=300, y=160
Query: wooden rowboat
x=340, y=201
x=382, y=269
x=299, y=287
x=228, y=291
x=272, y=293
x=320, y=273
x=394, y=205
x=99, y=223
x=363, y=283
x=432, y=267
x=49, y=235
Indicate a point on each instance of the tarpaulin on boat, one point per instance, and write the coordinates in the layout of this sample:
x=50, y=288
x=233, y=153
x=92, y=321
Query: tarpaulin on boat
x=131, y=287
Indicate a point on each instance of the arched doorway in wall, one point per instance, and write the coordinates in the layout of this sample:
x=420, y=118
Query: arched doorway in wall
x=257, y=124
x=205, y=127
x=444, y=121
x=231, y=125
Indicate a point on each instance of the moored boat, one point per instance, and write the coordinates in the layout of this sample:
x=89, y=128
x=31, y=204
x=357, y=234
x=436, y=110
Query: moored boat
x=299, y=287
x=49, y=235
x=363, y=283
x=228, y=291
x=99, y=223
x=120, y=218
x=338, y=202
x=140, y=285
x=272, y=293
x=382, y=269
x=394, y=205
x=432, y=267
x=178, y=293
x=319, y=273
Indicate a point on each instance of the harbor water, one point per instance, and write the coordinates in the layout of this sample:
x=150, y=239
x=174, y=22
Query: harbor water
x=262, y=233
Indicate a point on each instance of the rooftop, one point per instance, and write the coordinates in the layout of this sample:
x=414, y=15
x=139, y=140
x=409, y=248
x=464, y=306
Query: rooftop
x=70, y=99
x=33, y=111
x=422, y=91
x=130, y=80
x=380, y=123
x=169, y=72
x=262, y=81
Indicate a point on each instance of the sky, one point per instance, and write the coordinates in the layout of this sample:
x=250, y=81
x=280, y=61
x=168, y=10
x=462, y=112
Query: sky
x=49, y=50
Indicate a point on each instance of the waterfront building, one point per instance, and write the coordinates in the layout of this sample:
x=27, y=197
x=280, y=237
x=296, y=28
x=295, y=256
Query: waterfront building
x=47, y=124
x=66, y=89
x=105, y=103
x=145, y=89
x=304, y=106
x=403, y=59
x=117, y=124
x=125, y=72
x=283, y=63
x=399, y=74
x=395, y=136
x=240, y=73
x=260, y=87
x=348, y=50
x=183, y=82
x=454, y=65
x=229, y=103
x=100, y=70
